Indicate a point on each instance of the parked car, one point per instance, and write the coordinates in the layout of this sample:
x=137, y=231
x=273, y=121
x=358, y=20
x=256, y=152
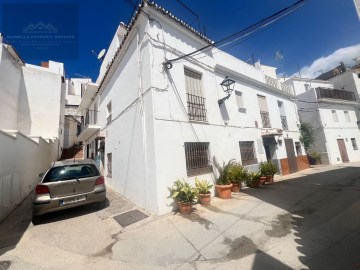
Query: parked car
x=68, y=184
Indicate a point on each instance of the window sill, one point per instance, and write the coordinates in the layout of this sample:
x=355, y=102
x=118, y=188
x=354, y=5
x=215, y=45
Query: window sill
x=199, y=122
x=200, y=171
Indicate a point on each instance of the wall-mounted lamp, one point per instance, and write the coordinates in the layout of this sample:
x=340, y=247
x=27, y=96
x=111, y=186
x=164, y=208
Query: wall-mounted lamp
x=228, y=86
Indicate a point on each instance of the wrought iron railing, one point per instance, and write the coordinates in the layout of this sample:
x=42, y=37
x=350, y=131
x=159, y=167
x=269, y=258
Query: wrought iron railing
x=196, y=107
x=265, y=119
x=335, y=94
x=284, y=122
x=197, y=157
x=91, y=118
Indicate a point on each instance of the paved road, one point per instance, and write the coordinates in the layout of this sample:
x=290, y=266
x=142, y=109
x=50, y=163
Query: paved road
x=309, y=220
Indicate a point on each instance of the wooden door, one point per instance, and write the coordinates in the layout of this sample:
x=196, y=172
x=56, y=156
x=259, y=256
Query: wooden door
x=343, y=152
x=290, y=152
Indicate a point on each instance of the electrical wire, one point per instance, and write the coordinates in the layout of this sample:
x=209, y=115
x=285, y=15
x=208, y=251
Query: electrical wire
x=247, y=31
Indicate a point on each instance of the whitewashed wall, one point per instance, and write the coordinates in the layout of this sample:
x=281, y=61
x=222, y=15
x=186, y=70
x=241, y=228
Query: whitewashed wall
x=22, y=159
x=10, y=83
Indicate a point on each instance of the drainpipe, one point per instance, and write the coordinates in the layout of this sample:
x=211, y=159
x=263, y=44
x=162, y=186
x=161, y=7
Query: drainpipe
x=142, y=114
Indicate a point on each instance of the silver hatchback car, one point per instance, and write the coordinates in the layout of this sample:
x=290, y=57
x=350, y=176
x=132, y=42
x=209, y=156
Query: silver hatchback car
x=68, y=184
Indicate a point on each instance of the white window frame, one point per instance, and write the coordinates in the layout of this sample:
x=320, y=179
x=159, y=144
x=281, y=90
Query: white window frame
x=239, y=97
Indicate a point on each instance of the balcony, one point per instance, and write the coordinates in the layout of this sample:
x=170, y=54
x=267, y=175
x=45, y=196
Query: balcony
x=87, y=93
x=265, y=119
x=89, y=126
x=335, y=94
x=279, y=85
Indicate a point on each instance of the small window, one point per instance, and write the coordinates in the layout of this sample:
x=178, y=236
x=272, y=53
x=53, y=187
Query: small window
x=239, y=100
x=197, y=158
x=298, y=148
x=109, y=165
x=307, y=87
x=247, y=152
x=347, y=116
x=335, y=118
x=354, y=144
x=109, y=112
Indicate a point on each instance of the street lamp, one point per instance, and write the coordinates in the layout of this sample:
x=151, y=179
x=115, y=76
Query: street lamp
x=228, y=86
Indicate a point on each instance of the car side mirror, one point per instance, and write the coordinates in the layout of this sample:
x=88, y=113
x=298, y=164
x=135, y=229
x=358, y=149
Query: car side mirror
x=41, y=175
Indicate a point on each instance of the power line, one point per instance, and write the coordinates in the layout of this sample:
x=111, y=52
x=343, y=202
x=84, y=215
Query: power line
x=244, y=32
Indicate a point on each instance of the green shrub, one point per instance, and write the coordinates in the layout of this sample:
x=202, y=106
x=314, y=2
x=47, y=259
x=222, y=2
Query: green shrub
x=223, y=171
x=237, y=173
x=202, y=186
x=268, y=168
x=182, y=192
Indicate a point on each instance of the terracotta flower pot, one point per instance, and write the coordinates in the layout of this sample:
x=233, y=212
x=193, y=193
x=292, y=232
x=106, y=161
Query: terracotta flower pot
x=205, y=199
x=254, y=184
x=185, y=208
x=236, y=187
x=224, y=191
x=270, y=179
x=262, y=180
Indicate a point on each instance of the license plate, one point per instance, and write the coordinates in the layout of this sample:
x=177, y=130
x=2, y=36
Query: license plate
x=73, y=200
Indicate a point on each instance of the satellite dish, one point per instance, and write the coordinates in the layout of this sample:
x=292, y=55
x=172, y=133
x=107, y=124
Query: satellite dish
x=101, y=54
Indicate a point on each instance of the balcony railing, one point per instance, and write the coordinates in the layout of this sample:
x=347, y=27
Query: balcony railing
x=196, y=107
x=287, y=88
x=265, y=119
x=284, y=122
x=89, y=119
x=335, y=94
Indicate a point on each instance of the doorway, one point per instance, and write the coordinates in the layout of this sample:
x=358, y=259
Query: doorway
x=342, y=149
x=290, y=152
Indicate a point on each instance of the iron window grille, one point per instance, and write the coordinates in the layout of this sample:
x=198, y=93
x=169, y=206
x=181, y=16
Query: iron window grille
x=265, y=119
x=354, y=144
x=197, y=158
x=196, y=108
x=109, y=165
x=335, y=94
x=284, y=122
x=247, y=152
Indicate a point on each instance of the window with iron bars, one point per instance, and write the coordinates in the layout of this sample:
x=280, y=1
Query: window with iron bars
x=265, y=119
x=247, y=152
x=194, y=97
x=197, y=158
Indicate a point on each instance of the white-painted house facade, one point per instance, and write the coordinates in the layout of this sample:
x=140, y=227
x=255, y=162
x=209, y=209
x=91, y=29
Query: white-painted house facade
x=332, y=112
x=32, y=105
x=154, y=125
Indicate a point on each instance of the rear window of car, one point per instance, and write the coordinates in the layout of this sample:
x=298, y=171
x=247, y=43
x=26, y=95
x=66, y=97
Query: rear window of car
x=69, y=172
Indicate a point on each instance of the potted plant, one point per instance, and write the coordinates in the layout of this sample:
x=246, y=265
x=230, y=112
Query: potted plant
x=237, y=174
x=184, y=194
x=223, y=184
x=268, y=169
x=203, y=190
x=314, y=158
x=254, y=179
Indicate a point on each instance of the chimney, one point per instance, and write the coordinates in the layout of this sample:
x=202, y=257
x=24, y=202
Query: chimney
x=45, y=64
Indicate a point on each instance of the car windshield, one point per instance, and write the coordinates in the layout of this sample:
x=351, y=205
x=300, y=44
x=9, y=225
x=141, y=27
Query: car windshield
x=69, y=172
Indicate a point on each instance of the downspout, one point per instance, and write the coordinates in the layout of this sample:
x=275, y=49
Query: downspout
x=142, y=112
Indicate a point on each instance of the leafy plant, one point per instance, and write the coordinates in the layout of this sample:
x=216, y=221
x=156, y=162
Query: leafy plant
x=223, y=171
x=237, y=173
x=268, y=168
x=314, y=157
x=182, y=192
x=202, y=186
x=307, y=137
x=254, y=176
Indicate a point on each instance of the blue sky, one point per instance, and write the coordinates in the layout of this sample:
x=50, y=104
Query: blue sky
x=314, y=32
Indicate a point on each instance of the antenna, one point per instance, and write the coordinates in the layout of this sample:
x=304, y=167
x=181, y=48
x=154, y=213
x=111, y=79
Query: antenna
x=100, y=56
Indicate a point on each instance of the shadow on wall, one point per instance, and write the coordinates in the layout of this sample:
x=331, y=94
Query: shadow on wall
x=24, y=122
x=323, y=212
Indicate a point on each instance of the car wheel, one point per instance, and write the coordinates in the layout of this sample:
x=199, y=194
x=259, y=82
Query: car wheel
x=36, y=220
x=102, y=204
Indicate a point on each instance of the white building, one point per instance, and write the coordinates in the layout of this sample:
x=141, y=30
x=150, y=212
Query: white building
x=156, y=125
x=332, y=113
x=32, y=104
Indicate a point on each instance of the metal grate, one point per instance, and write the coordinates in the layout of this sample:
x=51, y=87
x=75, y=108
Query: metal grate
x=284, y=122
x=130, y=217
x=196, y=108
x=247, y=152
x=265, y=119
x=197, y=157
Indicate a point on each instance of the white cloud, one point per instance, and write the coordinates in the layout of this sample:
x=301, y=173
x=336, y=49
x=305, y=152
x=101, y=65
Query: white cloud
x=324, y=64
